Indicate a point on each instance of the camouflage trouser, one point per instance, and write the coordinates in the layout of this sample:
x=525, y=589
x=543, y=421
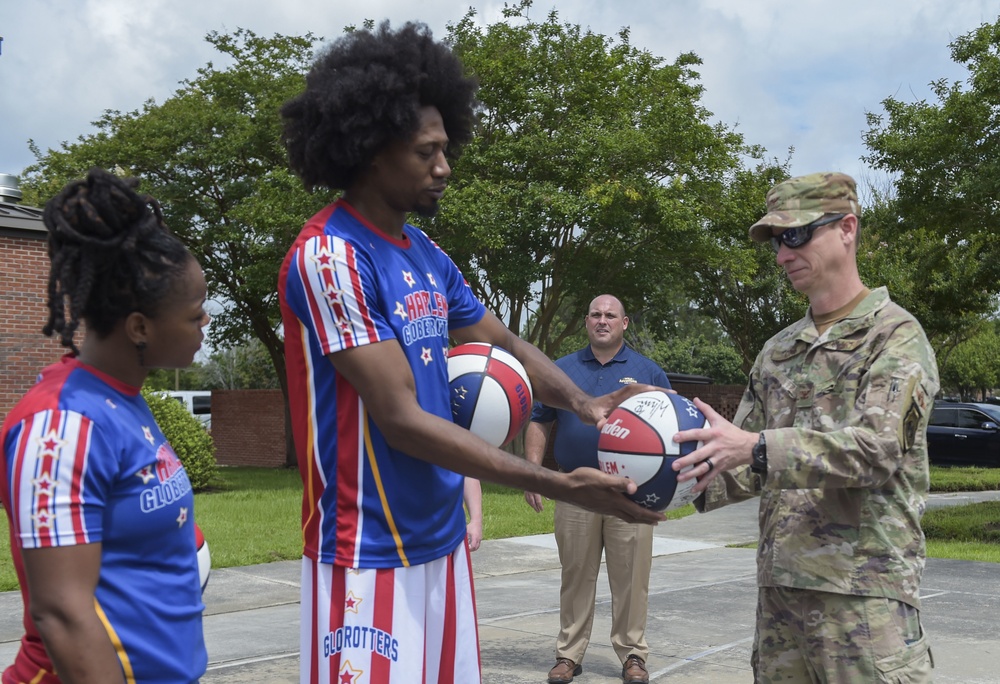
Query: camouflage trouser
x=813, y=636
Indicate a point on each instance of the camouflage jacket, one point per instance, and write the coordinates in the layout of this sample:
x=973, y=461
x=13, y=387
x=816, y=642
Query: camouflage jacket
x=845, y=419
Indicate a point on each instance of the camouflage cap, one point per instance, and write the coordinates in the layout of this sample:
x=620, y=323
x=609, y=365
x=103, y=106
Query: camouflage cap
x=798, y=201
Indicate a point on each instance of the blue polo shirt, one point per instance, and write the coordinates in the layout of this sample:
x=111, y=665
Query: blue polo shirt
x=575, y=442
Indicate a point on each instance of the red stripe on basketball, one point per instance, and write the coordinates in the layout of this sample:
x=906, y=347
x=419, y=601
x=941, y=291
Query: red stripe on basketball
x=518, y=398
x=473, y=348
x=627, y=433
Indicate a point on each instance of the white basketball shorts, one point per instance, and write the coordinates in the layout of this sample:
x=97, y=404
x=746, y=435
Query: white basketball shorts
x=390, y=625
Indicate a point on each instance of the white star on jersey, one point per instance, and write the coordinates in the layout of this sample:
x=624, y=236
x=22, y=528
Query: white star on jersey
x=51, y=444
x=44, y=485
x=324, y=259
x=42, y=519
x=408, y=279
x=425, y=355
x=400, y=311
x=334, y=295
x=430, y=277
x=182, y=517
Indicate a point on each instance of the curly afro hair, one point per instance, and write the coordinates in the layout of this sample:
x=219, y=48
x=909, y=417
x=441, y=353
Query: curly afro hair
x=365, y=91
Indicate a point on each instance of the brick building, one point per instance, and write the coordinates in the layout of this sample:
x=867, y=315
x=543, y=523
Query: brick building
x=24, y=269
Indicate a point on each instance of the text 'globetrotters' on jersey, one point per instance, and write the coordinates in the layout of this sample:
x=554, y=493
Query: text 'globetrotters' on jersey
x=84, y=462
x=346, y=284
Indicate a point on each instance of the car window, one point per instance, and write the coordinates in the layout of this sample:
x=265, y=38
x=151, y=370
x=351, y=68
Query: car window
x=969, y=418
x=201, y=404
x=945, y=417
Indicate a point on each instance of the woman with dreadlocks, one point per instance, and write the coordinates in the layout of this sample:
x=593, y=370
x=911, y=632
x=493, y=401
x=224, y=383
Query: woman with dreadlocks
x=101, y=511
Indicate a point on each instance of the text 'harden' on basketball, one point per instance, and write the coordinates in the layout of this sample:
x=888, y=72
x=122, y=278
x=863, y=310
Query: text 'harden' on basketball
x=489, y=391
x=637, y=442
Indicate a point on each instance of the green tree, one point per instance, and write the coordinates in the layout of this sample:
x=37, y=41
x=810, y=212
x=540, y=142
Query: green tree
x=944, y=157
x=190, y=378
x=924, y=274
x=700, y=356
x=973, y=368
x=211, y=153
x=591, y=170
x=738, y=282
x=244, y=366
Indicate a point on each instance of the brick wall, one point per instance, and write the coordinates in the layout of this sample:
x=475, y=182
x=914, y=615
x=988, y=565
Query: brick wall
x=24, y=351
x=248, y=427
x=723, y=398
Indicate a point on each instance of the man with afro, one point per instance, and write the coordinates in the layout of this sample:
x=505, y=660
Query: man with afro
x=368, y=304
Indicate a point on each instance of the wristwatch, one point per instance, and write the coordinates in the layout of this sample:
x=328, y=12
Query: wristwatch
x=759, y=453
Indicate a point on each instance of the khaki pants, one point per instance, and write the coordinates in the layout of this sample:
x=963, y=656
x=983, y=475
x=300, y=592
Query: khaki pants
x=628, y=549
x=817, y=637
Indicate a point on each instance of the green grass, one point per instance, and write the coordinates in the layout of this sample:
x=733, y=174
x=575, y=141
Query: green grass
x=970, y=532
x=506, y=514
x=252, y=516
x=964, y=479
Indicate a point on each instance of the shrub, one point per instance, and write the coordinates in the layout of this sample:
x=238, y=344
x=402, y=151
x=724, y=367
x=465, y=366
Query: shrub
x=189, y=439
x=976, y=522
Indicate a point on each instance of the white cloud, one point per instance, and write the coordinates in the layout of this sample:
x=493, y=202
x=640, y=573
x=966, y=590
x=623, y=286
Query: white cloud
x=787, y=74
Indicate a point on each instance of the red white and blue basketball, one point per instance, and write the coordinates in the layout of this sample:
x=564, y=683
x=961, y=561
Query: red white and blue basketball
x=637, y=443
x=204, y=557
x=490, y=392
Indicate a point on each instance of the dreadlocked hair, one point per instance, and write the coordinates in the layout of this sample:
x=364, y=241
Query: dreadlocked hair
x=110, y=254
x=365, y=91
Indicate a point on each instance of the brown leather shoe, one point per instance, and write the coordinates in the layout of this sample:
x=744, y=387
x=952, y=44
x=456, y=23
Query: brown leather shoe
x=634, y=671
x=564, y=671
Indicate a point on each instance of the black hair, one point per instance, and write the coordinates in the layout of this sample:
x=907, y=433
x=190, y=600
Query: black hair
x=365, y=91
x=110, y=252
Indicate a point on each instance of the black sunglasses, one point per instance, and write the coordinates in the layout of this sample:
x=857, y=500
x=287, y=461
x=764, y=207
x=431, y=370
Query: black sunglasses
x=796, y=237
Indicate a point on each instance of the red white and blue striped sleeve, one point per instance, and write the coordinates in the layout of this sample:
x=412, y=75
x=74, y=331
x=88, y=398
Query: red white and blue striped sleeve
x=52, y=502
x=337, y=287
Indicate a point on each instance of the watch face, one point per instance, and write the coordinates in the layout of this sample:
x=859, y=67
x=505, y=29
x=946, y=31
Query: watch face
x=759, y=453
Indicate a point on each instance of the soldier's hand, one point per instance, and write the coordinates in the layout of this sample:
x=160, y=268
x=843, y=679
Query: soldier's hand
x=724, y=446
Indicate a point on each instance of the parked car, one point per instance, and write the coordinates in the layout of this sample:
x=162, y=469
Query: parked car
x=198, y=403
x=964, y=434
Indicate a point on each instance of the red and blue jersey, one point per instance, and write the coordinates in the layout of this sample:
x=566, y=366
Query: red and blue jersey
x=344, y=284
x=83, y=463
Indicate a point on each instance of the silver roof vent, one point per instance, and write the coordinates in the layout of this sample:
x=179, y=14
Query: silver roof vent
x=10, y=189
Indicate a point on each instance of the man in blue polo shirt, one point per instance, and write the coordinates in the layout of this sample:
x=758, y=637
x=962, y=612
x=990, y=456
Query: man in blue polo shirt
x=603, y=366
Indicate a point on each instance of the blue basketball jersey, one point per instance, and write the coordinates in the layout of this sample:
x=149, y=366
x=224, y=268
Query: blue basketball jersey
x=84, y=462
x=345, y=284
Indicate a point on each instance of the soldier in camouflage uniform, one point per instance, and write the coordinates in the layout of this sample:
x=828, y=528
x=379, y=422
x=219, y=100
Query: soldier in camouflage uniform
x=831, y=434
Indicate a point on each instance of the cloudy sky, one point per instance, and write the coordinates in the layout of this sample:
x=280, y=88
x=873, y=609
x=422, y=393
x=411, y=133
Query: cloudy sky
x=787, y=74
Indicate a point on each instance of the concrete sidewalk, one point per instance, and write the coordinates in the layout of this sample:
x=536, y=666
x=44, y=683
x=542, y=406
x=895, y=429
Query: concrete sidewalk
x=701, y=611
